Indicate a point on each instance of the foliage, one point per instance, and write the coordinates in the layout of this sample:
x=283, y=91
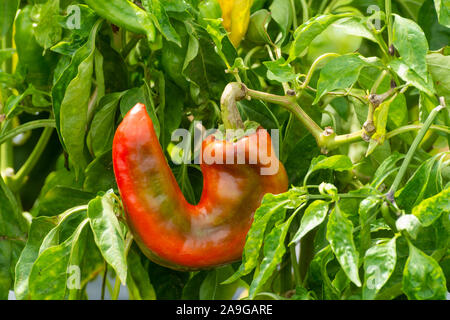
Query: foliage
x=358, y=96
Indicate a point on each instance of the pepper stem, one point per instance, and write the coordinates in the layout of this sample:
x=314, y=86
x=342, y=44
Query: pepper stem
x=232, y=93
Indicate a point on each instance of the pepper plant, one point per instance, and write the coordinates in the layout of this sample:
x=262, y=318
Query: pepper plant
x=356, y=90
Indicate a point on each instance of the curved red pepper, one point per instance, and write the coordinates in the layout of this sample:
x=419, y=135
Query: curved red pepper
x=168, y=229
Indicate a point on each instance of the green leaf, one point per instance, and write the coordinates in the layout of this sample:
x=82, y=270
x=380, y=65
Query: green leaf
x=308, y=31
x=438, y=36
x=5, y=265
x=100, y=174
x=108, y=234
x=380, y=120
x=340, y=236
x=337, y=163
x=424, y=183
x=71, y=94
x=8, y=11
x=398, y=112
x=281, y=11
x=279, y=70
x=411, y=77
x=347, y=67
x=423, y=278
x=410, y=41
x=49, y=274
x=379, y=263
x=39, y=228
x=318, y=274
x=314, y=215
x=212, y=287
x=272, y=209
x=103, y=124
x=274, y=250
x=439, y=66
x=367, y=208
x=161, y=20
x=430, y=209
x=410, y=224
x=59, y=199
x=355, y=27
x=47, y=31
x=443, y=12
x=12, y=233
x=386, y=168
x=209, y=286
x=138, y=280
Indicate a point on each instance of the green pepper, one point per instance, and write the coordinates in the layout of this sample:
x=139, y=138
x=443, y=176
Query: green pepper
x=36, y=66
x=125, y=14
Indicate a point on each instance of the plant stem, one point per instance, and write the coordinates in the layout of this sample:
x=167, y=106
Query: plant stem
x=232, y=93
x=116, y=290
x=391, y=193
x=26, y=127
x=305, y=12
x=322, y=6
x=377, y=82
x=289, y=103
x=294, y=15
x=19, y=179
x=314, y=66
x=340, y=195
x=6, y=150
x=105, y=274
x=326, y=141
x=413, y=127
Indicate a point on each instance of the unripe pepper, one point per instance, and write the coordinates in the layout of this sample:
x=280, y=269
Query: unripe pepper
x=236, y=16
x=168, y=229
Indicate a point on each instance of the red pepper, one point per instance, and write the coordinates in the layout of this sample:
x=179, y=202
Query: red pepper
x=168, y=229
